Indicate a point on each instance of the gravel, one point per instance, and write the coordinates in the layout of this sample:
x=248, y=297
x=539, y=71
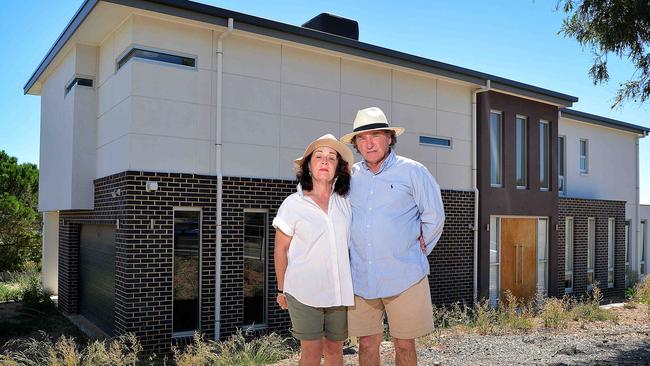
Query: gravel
x=597, y=343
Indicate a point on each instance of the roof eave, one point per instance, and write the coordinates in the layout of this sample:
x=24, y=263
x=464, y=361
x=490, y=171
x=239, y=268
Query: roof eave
x=604, y=121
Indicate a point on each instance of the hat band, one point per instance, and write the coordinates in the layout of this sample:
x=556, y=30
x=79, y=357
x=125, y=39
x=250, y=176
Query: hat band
x=371, y=126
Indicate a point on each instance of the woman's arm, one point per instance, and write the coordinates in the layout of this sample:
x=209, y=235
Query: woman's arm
x=282, y=242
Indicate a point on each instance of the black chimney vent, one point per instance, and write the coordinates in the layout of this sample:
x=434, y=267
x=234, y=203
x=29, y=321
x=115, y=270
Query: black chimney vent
x=334, y=24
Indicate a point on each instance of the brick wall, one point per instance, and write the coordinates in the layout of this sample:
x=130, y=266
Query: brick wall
x=144, y=253
x=452, y=259
x=581, y=210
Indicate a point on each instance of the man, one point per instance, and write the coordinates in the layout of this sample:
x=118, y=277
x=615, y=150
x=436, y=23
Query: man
x=397, y=219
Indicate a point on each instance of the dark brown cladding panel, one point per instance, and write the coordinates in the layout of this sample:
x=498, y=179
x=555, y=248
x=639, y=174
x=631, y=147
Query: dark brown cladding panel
x=508, y=200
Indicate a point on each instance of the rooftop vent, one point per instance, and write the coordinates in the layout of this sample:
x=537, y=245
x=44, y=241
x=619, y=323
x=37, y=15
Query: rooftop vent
x=334, y=24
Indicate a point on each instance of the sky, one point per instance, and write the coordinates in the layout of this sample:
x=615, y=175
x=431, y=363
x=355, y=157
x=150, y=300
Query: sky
x=515, y=39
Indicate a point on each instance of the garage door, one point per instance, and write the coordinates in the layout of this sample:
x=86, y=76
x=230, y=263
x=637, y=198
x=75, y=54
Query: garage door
x=97, y=275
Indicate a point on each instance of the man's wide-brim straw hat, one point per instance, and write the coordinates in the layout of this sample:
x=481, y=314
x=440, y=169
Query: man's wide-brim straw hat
x=370, y=119
x=330, y=141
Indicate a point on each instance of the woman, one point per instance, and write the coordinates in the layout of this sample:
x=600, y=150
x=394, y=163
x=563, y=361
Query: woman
x=311, y=251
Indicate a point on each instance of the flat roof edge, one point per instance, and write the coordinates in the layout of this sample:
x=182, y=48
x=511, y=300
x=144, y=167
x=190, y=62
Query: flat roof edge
x=603, y=121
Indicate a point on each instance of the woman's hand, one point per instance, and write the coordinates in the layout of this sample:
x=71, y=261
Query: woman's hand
x=281, y=299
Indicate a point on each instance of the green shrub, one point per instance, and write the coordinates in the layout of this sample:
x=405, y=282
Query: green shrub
x=590, y=310
x=9, y=292
x=642, y=291
x=555, y=312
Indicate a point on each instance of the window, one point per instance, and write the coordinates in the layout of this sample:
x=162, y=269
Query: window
x=627, y=253
x=521, y=147
x=435, y=141
x=255, y=260
x=496, y=148
x=542, y=255
x=156, y=56
x=495, y=231
x=561, y=164
x=186, y=289
x=611, y=226
x=78, y=81
x=568, y=255
x=544, y=155
x=591, y=251
x=584, y=156
x=644, y=238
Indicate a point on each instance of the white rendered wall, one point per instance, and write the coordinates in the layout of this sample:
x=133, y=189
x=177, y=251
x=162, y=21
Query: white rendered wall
x=68, y=129
x=277, y=97
x=612, y=168
x=50, y=252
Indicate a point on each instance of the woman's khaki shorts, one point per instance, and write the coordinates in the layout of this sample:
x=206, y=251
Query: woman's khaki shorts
x=410, y=314
x=310, y=323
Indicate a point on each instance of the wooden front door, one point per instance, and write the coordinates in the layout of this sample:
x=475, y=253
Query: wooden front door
x=519, y=256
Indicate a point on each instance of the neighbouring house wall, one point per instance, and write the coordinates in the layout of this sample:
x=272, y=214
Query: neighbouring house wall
x=612, y=169
x=602, y=210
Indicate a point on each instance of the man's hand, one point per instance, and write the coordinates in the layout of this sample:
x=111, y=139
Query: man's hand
x=422, y=246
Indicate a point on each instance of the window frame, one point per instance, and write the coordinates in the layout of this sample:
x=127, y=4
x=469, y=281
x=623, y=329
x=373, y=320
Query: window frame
x=521, y=158
x=561, y=167
x=189, y=333
x=642, y=252
x=497, y=181
x=584, y=157
x=569, y=252
x=78, y=80
x=127, y=56
x=546, y=168
x=265, y=309
x=591, y=252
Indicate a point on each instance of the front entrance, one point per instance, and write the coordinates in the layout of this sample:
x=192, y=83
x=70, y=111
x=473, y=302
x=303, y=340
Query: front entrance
x=518, y=256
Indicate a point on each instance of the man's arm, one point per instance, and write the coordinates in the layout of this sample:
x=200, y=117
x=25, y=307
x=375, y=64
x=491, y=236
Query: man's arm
x=428, y=199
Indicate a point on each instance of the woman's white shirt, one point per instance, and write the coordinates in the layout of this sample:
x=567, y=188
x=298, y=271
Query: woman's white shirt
x=318, y=269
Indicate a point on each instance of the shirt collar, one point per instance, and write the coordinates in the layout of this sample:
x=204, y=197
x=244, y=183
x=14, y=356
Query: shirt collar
x=302, y=194
x=390, y=159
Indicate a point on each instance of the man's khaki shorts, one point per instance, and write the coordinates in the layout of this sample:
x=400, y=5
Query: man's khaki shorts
x=410, y=314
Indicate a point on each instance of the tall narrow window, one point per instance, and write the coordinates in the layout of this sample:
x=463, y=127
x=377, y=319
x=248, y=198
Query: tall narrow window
x=644, y=237
x=584, y=156
x=542, y=256
x=495, y=231
x=255, y=259
x=568, y=255
x=187, y=249
x=591, y=251
x=496, y=148
x=611, y=227
x=521, y=147
x=627, y=253
x=561, y=167
x=544, y=155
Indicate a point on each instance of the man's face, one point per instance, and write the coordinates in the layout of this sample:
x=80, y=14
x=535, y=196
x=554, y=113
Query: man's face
x=373, y=146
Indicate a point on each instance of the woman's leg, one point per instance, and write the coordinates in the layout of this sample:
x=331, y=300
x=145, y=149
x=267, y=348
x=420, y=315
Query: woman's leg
x=310, y=352
x=333, y=352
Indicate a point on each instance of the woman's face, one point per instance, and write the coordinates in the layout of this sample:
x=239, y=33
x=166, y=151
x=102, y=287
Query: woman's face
x=323, y=164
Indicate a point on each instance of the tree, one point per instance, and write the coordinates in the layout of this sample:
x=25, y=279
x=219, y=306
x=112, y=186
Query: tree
x=20, y=223
x=618, y=27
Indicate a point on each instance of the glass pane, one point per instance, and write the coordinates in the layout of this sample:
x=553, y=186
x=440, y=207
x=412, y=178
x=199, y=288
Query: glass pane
x=610, y=243
x=610, y=278
x=568, y=280
x=543, y=154
x=495, y=148
x=254, y=267
x=494, y=245
x=541, y=276
x=590, y=278
x=568, y=249
x=494, y=284
x=560, y=156
x=541, y=238
x=591, y=244
x=186, y=270
x=520, y=151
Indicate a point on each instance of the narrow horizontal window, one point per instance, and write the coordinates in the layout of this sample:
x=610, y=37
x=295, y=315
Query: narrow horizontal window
x=435, y=141
x=78, y=81
x=156, y=56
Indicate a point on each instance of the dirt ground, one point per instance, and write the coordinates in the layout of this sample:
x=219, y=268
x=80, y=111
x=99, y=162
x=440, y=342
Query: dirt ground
x=582, y=343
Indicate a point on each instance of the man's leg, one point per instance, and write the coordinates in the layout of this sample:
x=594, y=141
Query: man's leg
x=405, y=352
x=369, y=350
x=310, y=352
